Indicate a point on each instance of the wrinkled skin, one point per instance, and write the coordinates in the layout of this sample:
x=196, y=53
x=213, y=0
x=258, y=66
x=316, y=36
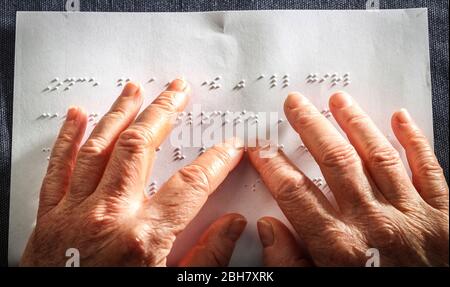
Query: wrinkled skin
x=377, y=205
x=92, y=196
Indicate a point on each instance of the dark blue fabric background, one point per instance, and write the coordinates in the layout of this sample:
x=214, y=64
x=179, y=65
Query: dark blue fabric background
x=438, y=29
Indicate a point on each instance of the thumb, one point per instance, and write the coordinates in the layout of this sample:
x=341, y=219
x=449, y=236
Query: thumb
x=279, y=245
x=216, y=245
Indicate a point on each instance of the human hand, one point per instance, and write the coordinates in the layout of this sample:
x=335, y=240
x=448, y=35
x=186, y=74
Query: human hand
x=92, y=198
x=378, y=204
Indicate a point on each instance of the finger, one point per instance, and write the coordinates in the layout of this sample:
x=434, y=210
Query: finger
x=280, y=249
x=304, y=205
x=381, y=159
x=62, y=160
x=337, y=159
x=428, y=176
x=216, y=245
x=94, y=154
x=182, y=196
x=134, y=151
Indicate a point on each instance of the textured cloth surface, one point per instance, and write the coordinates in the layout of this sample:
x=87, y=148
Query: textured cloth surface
x=438, y=29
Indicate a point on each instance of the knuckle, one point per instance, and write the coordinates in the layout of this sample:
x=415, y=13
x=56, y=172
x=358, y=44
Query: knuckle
x=117, y=114
x=417, y=140
x=135, y=139
x=430, y=168
x=336, y=246
x=165, y=102
x=64, y=140
x=292, y=190
x=339, y=155
x=384, y=157
x=196, y=177
x=94, y=146
x=357, y=121
x=304, y=117
x=382, y=231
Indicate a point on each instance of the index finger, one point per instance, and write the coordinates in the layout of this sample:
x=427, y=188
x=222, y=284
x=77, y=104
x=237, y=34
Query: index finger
x=134, y=152
x=303, y=204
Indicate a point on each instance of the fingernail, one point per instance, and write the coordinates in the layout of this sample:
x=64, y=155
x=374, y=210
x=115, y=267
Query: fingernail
x=265, y=231
x=295, y=100
x=341, y=100
x=236, y=227
x=403, y=116
x=178, y=85
x=131, y=89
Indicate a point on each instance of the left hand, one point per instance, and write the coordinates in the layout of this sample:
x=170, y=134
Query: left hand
x=92, y=198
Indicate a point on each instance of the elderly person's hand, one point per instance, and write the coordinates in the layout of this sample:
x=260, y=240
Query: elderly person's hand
x=92, y=197
x=378, y=205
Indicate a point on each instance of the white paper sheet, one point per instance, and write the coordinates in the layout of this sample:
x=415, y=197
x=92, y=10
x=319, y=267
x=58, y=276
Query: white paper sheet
x=385, y=52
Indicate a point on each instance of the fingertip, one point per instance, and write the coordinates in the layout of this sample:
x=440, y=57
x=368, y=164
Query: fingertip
x=76, y=115
x=179, y=85
x=132, y=89
x=294, y=100
x=402, y=116
x=340, y=99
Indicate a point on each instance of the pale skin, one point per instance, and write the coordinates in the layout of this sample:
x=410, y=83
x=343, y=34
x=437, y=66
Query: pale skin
x=92, y=197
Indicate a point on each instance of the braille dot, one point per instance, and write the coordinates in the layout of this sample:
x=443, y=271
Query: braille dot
x=218, y=78
x=280, y=121
x=96, y=84
x=273, y=76
x=204, y=83
x=91, y=79
x=261, y=76
x=54, y=89
x=286, y=76
x=70, y=84
x=56, y=79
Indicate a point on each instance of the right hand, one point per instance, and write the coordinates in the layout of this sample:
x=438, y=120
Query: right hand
x=378, y=204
